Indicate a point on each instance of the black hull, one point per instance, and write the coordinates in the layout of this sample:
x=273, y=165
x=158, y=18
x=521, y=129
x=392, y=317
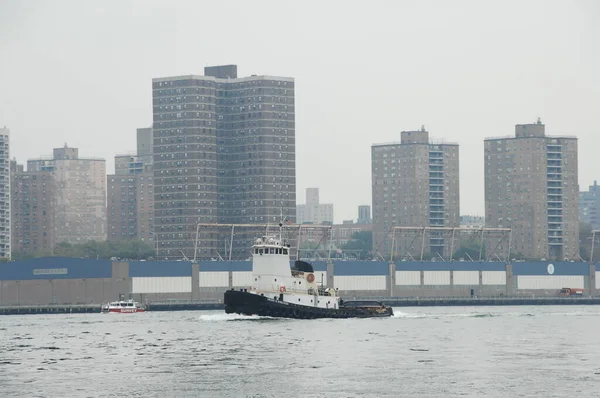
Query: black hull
x=244, y=303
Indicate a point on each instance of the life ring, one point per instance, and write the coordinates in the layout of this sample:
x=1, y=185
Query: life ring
x=282, y=289
x=310, y=278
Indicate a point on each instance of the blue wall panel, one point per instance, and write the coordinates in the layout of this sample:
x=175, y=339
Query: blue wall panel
x=160, y=268
x=341, y=268
x=55, y=268
x=449, y=266
x=212, y=266
x=541, y=268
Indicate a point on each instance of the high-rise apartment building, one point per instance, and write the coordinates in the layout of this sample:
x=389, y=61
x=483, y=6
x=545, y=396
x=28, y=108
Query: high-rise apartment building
x=531, y=187
x=145, y=142
x=415, y=183
x=364, y=214
x=224, y=152
x=130, y=203
x=314, y=212
x=5, y=218
x=589, y=206
x=33, y=211
x=79, y=195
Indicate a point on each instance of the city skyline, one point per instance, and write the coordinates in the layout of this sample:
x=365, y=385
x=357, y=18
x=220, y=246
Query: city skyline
x=464, y=86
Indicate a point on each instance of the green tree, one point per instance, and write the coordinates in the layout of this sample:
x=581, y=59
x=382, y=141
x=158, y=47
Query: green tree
x=470, y=249
x=126, y=249
x=361, y=244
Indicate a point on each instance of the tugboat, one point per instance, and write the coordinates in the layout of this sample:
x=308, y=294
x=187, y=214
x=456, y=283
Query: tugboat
x=280, y=291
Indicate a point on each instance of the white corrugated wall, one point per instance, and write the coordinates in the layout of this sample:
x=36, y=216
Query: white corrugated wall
x=466, y=278
x=550, y=281
x=162, y=284
x=359, y=282
x=241, y=278
x=436, y=277
x=214, y=279
x=493, y=277
x=408, y=278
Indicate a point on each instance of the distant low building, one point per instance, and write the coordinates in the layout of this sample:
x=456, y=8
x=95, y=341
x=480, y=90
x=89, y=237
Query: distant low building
x=313, y=211
x=475, y=222
x=364, y=214
x=340, y=235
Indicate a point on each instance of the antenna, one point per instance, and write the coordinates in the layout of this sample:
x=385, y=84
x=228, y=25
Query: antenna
x=281, y=223
x=184, y=256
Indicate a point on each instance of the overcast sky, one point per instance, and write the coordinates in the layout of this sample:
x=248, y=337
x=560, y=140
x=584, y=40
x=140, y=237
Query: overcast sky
x=79, y=72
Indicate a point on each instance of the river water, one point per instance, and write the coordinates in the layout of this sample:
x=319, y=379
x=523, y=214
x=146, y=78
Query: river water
x=420, y=352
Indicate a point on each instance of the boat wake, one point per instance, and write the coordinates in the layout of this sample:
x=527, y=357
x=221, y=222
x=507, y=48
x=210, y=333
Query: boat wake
x=398, y=314
x=232, y=317
x=418, y=315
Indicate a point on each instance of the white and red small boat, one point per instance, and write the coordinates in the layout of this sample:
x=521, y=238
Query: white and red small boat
x=122, y=307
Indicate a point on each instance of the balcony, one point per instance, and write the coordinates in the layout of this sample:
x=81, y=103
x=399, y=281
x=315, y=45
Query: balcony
x=554, y=184
x=555, y=227
x=553, y=148
x=554, y=198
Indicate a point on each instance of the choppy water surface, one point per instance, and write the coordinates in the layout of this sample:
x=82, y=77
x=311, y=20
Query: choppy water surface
x=421, y=352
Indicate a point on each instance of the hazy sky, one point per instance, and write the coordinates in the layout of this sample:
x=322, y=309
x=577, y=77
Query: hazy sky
x=80, y=72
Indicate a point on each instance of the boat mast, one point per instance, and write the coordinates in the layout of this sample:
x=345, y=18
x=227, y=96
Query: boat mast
x=281, y=223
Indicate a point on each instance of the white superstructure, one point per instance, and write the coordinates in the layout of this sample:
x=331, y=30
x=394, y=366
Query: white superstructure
x=274, y=279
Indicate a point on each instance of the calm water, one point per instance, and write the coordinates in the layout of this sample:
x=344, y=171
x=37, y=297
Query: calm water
x=421, y=352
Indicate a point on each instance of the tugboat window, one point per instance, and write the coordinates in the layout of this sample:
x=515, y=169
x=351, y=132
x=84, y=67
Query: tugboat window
x=285, y=251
